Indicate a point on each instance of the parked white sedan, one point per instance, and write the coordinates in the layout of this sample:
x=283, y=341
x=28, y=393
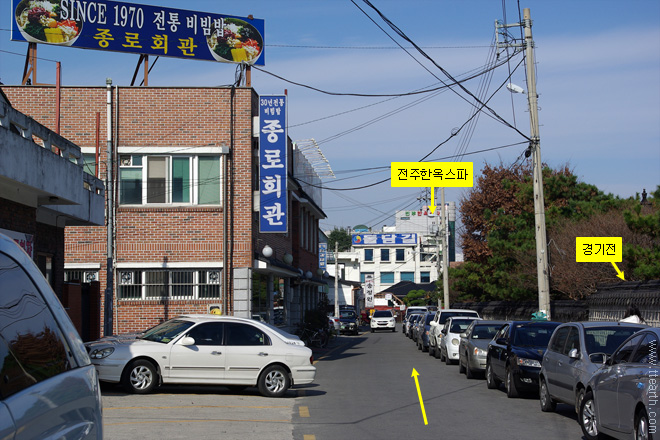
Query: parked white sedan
x=206, y=349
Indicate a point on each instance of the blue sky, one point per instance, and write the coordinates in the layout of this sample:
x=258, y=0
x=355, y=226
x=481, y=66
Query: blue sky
x=598, y=80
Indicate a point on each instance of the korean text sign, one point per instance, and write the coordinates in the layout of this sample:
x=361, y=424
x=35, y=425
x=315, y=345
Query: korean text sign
x=599, y=249
x=272, y=164
x=369, y=291
x=323, y=252
x=151, y=30
x=383, y=239
x=431, y=174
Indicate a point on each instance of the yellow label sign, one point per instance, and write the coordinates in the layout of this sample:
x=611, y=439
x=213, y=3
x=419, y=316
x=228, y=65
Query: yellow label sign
x=599, y=249
x=431, y=174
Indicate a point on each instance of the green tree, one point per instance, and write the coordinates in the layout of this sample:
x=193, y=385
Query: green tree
x=643, y=259
x=415, y=298
x=499, y=240
x=341, y=236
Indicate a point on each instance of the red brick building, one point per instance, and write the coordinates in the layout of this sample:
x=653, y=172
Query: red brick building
x=185, y=164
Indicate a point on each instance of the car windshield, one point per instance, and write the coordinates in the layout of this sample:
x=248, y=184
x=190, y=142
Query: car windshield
x=606, y=339
x=460, y=325
x=382, y=314
x=167, y=331
x=484, y=331
x=445, y=315
x=429, y=318
x=347, y=314
x=532, y=335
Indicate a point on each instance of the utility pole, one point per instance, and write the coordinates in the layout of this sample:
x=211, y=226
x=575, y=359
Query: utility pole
x=109, y=288
x=445, y=255
x=535, y=147
x=336, y=278
x=542, y=271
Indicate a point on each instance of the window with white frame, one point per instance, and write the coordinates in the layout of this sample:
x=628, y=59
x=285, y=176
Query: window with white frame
x=81, y=275
x=169, y=179
x=169, y=283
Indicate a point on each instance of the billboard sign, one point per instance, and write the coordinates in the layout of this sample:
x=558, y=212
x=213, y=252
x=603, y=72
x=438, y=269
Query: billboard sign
x=142, y=29
x=273, y=201
x=323, y=252
x=383, y=239
x=369, y=291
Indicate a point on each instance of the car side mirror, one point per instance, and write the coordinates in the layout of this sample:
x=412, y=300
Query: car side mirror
x=573, y=354
x=187, y=340
x=501, y=341
x=433, y=323
x=463, y=335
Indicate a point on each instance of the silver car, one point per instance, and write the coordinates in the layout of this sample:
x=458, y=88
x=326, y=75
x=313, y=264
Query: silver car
x=621, y=398
x=473, y=347
x=575, y=351
x=49, y=389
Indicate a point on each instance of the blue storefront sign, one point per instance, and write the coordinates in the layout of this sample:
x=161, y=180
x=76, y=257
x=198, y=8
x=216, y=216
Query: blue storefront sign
x=141, y=29
x=273, y=201
x=383, y=239
x=323, y=252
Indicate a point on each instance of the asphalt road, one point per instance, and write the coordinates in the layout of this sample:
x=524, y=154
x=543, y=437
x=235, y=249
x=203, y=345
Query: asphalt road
x=363, y=390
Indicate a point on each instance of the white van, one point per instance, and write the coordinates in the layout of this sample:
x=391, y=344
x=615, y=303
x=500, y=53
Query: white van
x=415, y=309
x=49, y=388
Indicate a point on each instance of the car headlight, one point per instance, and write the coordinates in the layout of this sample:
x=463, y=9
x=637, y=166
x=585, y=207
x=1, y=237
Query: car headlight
x=455, y=342
x=101, y=353
x=479, y=352
x=529, y=362
x=392, y=320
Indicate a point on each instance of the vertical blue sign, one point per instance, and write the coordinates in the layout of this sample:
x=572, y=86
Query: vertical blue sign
x=272, y=164
x=323, y=252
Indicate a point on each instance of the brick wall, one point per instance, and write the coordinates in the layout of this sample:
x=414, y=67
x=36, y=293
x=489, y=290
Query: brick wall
x=156, y=117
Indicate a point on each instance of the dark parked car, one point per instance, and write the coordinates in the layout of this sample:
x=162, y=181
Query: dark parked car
x=515, y=354
x=407, y=320
x=473, y=346
x=349, y=322
x=423, y=330
x=576, y=350
x=621, y=398
x=412, y=326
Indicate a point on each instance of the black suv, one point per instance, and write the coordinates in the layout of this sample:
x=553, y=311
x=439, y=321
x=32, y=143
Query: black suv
x=515, y=354
x=349, y=322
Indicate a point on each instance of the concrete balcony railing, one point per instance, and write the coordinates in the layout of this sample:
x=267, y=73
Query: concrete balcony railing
x=41, y=169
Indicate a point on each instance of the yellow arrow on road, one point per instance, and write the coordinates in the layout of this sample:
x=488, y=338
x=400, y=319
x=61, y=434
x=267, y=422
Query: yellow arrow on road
x=432, y=206
x=419, y=393
x=618, y=272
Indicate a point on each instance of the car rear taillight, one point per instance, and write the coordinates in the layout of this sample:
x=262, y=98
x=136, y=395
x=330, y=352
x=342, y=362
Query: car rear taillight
x=311, y=360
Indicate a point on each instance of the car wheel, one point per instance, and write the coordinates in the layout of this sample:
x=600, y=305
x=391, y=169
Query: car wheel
x=372, y=330
x=394, y=330
x=461, y=367
x=437, y=353
x=140, y=377
x=448, y=360
x=419, y=345
x=642, y=425
x=511, y=390
x=578, y=399
x=491, y=382
x=274, y=381
x=587, y=417
x=431, y=350
x=468, y=371
x=547, y=404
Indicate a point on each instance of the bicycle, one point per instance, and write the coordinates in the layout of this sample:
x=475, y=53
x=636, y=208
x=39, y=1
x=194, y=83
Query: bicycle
x=314, y=338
